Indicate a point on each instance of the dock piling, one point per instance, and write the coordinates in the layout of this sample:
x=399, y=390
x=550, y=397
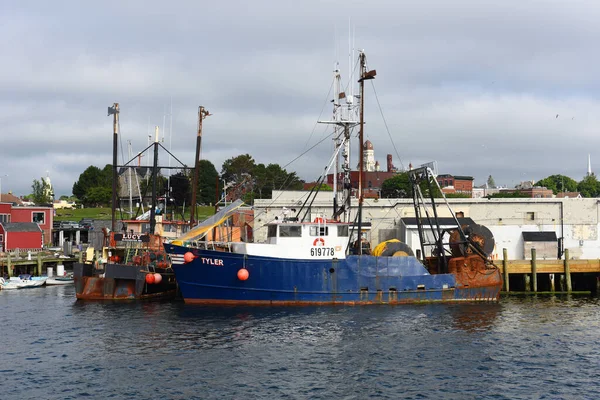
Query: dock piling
x=568, y=272
x=505, y=269
x=533, y=270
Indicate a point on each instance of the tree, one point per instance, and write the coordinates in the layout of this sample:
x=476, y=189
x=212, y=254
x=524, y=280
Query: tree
x=558, y=183
x=98, y=196
x=249, y=180
x=490, y=182
x=323, y=187
x=207, y=182
x=180, y=189
x=397, y=187
x=41, y=192
x=508, y=194
x=589, y=186
x=235, y=170
x=92, y=178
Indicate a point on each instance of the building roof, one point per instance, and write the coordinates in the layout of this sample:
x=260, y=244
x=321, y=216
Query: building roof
x=539, y=236
x=11, y=198
x=21, y=227
x=368, y=145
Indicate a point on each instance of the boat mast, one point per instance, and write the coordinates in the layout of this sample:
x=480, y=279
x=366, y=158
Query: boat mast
x=344, y=119
x=154, y=173
x=202, y=113
x=364, y=75
x=114, y=111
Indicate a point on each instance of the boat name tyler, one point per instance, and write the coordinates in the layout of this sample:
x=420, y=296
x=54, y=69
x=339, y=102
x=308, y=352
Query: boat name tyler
x=212, y=261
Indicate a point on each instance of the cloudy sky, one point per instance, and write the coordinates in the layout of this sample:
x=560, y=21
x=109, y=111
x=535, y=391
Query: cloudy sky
x=474, y=85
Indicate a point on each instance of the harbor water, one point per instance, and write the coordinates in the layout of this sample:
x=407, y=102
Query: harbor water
x=55, y=347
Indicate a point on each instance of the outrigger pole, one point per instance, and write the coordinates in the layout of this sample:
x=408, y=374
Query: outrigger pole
x=114, y=111
x=202, y=113
x=364, y=75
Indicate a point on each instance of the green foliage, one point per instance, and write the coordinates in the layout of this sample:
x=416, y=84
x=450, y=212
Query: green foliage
x=400, y=187
x=180, y=189
x=490, y=182
x=458, y=196
x=250, y=180
x=397, y=187
x=207, y=183
x=323, y=187
x=98, y=196
x=92, y=184
x=558, y=183
x=41, y=192
x=589, y=186
x=508, y=194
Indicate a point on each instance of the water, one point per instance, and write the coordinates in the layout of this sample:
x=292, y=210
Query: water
x=55, y=347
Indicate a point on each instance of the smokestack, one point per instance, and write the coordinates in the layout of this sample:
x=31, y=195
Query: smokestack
x=390, y=165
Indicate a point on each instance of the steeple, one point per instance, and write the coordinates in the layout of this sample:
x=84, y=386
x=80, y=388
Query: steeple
x=589, y=171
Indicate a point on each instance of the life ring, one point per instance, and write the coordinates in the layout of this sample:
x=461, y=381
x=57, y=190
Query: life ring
x=319, y=220
x=319, y=242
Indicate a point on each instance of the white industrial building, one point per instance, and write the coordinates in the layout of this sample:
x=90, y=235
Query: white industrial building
x=517, y=224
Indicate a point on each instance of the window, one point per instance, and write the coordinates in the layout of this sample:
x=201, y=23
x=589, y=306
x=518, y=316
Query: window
x=530, y=216
x=272, y=231
x=38, y=217
x=4, y=218
x=319, y=230
x=290, y=231
x=342, y=230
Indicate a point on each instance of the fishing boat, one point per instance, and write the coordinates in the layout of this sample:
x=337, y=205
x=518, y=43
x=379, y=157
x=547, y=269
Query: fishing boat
x=327, y=260
x=133, y=264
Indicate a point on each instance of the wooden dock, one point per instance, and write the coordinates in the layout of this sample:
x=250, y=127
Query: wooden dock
x=529, y=274
x=37, y=265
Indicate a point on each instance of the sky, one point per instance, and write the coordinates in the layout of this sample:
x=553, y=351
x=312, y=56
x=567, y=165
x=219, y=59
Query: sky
x=505, y=88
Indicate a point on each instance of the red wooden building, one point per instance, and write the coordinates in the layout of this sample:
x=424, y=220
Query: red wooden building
x=42, y=216
x=20, y=235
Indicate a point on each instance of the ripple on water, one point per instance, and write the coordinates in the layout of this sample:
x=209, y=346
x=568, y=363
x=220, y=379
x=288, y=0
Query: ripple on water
x=519, y=348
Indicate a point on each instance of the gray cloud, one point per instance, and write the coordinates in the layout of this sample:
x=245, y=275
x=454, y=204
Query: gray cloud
x=474, y=86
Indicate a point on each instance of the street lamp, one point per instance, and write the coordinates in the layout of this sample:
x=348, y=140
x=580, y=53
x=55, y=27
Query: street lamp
x=1, y=176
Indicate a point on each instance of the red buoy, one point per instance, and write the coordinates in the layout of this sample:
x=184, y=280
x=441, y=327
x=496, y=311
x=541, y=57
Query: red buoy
x=157, y=278
x=188, y=257
x=149, y=279
x=243, y=274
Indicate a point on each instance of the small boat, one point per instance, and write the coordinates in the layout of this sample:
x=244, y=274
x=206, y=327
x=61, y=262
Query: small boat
x=327, y=260
x=60, y=280
x=23, y=281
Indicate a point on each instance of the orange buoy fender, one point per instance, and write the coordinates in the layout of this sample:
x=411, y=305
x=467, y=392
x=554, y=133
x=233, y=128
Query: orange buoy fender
x=243, y=274
x=149, y=279
x=188, y=257
x=157, y=278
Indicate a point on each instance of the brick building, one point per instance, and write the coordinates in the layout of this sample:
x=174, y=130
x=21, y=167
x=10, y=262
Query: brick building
x=456, y=183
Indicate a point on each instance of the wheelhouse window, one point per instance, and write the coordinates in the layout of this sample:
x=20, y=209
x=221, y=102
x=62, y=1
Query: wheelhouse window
x=4, y=218
x=38, y=217
x=272, y=231
x=319, y=230
x=342, y=230
x=290, y=231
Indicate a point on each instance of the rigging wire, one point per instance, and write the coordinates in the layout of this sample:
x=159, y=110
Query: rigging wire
x=386, y=125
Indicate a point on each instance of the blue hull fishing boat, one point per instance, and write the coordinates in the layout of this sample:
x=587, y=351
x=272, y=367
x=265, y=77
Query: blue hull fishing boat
x=326, y=261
